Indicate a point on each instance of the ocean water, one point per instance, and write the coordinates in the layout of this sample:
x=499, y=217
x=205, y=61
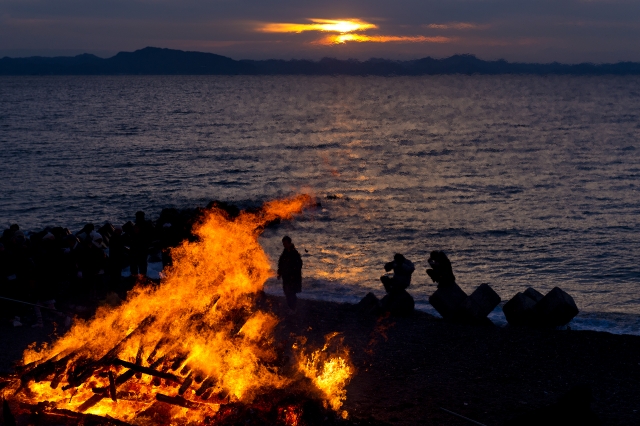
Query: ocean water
x=521, y=180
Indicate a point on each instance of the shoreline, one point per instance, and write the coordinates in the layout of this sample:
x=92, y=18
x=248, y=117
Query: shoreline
x=407, y=369
x=605, y=322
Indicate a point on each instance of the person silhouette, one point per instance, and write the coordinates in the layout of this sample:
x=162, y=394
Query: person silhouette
x=290, y=270
x=402, y=270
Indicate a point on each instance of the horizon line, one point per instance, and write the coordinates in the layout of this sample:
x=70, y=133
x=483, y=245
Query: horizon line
x=324, y=58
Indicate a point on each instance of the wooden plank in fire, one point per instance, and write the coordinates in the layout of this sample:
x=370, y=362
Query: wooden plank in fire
x=147, y=370
x=89, y=418
x=48, y=412
x=117, y=348
x=209, y=383
x=178, y=400
x=101, y=393
x=139, y=358
x=185, y=384
x=163, y=341
x=80, y=376
x=112, y=386
x=51, y=366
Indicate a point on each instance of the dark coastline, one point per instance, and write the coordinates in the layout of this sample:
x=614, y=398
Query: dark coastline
x=158, y=61
x=407, y=368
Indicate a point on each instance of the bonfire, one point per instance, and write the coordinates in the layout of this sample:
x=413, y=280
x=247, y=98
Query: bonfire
x=198, y=348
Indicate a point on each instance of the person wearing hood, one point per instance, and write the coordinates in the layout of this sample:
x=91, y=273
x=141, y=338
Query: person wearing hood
x=402, y=270
x=290, y=270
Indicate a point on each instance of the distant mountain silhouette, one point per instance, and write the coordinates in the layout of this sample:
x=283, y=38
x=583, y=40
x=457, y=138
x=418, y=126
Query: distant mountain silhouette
x=157, y=61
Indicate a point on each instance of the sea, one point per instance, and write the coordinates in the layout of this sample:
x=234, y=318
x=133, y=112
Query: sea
x=523, y=181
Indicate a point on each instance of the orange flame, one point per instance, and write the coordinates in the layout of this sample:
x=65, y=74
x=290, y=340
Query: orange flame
x=330, y=372
x=202, y=316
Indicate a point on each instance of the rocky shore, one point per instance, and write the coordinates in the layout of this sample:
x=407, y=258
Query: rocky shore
x=409, y=369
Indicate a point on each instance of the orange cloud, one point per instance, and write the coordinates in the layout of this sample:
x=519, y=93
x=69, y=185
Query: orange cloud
x=349, y=30
x=344, y=38
x=327, y=25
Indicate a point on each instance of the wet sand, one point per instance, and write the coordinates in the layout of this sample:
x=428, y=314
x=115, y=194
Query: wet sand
x=407, y=368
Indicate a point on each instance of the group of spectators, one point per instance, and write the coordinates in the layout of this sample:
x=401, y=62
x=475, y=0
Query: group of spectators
x=57, y=265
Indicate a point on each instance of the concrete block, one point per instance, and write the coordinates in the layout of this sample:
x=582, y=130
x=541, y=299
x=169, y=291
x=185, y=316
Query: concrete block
x=369, y=304
x=520, y=309
x=399, y=303
x=447, y=300
x=555, y=309
x=480, y=303
x=533, y=294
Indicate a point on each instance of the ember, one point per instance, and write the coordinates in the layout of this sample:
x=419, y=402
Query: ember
x=195, y=349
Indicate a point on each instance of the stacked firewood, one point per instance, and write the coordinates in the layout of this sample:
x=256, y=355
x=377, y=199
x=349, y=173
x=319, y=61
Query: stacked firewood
x=169, y=371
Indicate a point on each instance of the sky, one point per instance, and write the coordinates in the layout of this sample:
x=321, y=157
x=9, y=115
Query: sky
x=568, y=31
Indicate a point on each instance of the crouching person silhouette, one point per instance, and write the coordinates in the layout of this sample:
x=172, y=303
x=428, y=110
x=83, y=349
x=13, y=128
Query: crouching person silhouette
x=402, y=270
x=441, y=271
x=290, y=270
x=397, y=301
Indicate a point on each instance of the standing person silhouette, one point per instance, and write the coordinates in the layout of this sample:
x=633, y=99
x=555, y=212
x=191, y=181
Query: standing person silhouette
x=141, y=235
x=290, y=270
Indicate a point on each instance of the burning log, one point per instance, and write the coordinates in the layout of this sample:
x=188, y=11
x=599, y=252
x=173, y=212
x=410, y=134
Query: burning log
x=109, y=356
x=139, y=359
x=57, y=378
x=57, y=414
x=39, y=373
x=207, y=394
x=177, y=362
x=82, y=373
x=157, y=347
x=220, y=398
x=147, y=370
x=210, y=382
x=112, y=386
x=100, y=392
x=177, y=400
x=50, y=367
x=185, y=384
x=93, y=400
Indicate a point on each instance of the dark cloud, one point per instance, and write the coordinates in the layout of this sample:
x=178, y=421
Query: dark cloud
x=562, y=30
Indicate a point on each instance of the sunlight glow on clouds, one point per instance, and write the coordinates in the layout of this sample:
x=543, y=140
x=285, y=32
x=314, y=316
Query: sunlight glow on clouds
x=343, y=38
x=350, y=30
x=328, y=25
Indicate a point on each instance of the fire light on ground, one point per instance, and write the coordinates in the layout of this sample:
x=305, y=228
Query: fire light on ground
x=179, y=352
